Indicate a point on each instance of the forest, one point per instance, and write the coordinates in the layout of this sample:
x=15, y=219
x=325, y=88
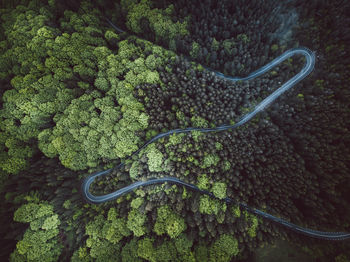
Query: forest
x=85, y=84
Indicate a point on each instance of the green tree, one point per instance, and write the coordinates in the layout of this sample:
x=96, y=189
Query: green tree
x=160, y=21
x=40, y=241
x=223, y=249
x=168, y=222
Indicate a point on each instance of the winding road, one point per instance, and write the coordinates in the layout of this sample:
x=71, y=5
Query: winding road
x=305, y=71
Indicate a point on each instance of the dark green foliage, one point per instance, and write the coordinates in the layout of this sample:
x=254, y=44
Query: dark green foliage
x=78, y=91
x=129, y=251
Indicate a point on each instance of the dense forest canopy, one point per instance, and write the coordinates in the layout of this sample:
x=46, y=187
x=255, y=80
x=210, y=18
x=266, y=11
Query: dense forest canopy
x=84, y=84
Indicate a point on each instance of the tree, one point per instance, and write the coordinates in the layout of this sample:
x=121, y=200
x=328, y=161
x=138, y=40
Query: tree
x=223, y=249
x=40, y=241
x=168, y=222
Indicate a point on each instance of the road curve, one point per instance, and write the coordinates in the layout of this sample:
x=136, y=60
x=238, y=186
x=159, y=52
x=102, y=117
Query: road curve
x=306, y=70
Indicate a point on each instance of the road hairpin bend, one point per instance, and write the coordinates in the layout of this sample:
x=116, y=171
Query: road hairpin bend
x=305, y=71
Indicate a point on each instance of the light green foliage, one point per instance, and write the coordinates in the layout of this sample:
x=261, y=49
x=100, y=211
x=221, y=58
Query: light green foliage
x=175, y=139
x=168, y=222
x=137, y=202
x=92, y=125
x=210, y=160
x=145, y=249
x=236, y=211
x=215, y=45
x=218, y=146
x=67, y=204
x=105, y=236
x=152, y=62
x=81, y=255
x=134, y=170
x=67, y=94
x=111, y=35
x=203, y=182
x=40, y=241
x=194, y=50
x=196, y=135
x=136, y=221
x=166, y=251
x=210, y=206
x=112, y=229
x=180, y=115
x=219, y=190
x=31, y=211
x=198, y=121
x=159, y=20
x=155, y=158
x=14, y=160
x=253, y=224
x=41, y=61
x=223, y=249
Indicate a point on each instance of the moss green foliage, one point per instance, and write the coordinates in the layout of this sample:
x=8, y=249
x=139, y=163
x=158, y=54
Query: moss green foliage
x=168, y=222
x=253, y=220
x=137, y=202
x=218, y=146
x=160, y=21
x=105, y=235
x=93, y=121
x=201, y=253
x=178, y=249
x=219, y=190
x=196, y=135
x=194, y=50
x=215, y=45
x=199, y=122
x=203, y=182
x=67, y=98
x=40, y=241
x=223, y=249
x=134, y=170
x=13, y=153
x=155, y=158
x=145, y=249
x=175, y=139
x=41, y=63
x=210, y=206
x=210, y=160
x=136, y=222
x=236, y=211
